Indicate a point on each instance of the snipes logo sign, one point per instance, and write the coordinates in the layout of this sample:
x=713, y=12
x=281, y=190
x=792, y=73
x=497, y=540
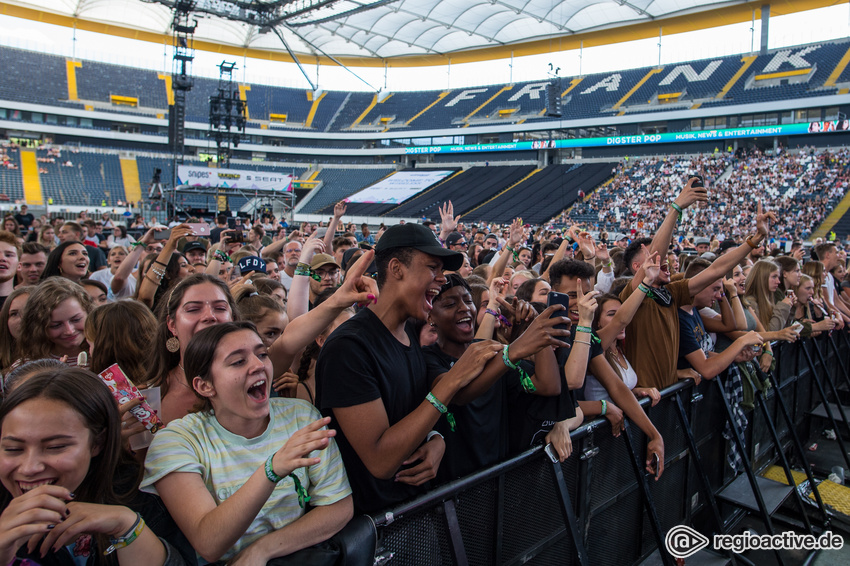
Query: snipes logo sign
x=682, y=541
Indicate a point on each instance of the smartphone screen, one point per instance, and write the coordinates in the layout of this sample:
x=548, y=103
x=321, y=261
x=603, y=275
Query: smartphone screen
x=560, y=299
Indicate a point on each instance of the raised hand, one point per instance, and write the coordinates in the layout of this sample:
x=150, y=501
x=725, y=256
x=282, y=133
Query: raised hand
x=293, y=454
x=357, y=287
x=516, y=233
x=651, y=266
x=339, y=209
x=586, y=305
x=312, y=245
x=286, y=384
x=586, y=245
x=448, y=221
x=602, y=252
x=763, y=220
x=540, y=334
x=691, y=194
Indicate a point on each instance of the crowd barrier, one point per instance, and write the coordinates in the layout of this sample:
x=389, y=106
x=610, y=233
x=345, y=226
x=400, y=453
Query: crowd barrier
x=533, y=509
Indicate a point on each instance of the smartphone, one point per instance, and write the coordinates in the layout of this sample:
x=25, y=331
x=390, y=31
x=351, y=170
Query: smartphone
x=559, y=299
x=200, y=228
x=162, y=234
x=698, y=182
x=655, y=462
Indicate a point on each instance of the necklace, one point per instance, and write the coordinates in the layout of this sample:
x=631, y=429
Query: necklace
x=183, y=381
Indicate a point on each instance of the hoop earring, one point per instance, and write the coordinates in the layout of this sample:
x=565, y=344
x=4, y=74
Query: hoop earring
x=172, y=344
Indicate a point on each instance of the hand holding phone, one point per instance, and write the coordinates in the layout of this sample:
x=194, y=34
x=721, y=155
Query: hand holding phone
x=199, y=228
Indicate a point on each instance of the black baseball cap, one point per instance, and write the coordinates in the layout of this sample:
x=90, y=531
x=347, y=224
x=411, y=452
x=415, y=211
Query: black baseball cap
x=190, y=246
x=252, y=263
x=420, y=238
x=455, y=238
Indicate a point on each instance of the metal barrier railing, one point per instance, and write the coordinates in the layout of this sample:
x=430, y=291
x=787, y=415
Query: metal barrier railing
x=591, y=509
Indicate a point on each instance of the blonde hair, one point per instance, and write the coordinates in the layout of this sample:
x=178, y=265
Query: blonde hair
x=817, y=271
x=757, y=289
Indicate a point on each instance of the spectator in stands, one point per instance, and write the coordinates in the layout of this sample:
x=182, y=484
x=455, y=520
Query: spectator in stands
x=575, y=278
x=84, y=496
x=73, y=232
x=195, y=252
x=170, y=267
x=53, y=321
x=11, y=225
x=324, y=274
x=263, y=517
x=10, y=251
x=220, y=225
x=477, y=438
x=827, y=254
x=365, y=235
x=97, y=291
x=371, y=374
x=655, y=327
x=47, y=237
x=69, y=260
x=762, y=284
x=119, y=237
x=808, y=311
x=197, y=302
x=24, y=218
x=291, y=253
x=10, y=326
x=32, y=263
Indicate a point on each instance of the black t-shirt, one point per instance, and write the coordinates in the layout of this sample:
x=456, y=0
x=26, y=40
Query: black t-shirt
x=25, y=220
x=96, y=258
x=531, y=417
x=480, y=437
x=360, y=362
x=215, y=234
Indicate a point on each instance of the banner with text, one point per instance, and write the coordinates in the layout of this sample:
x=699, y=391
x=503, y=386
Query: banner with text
x=398, y=187
x=189, y=176
x=667, y=137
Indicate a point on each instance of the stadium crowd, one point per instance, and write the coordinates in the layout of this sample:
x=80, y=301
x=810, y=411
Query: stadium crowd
x=300, y=379
x=802, y=187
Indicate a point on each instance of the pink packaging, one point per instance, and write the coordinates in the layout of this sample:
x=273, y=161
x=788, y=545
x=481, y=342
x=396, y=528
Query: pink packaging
x=123, y=390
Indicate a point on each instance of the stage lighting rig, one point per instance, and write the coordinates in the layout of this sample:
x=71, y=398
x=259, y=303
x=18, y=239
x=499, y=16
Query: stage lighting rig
x=227, y=115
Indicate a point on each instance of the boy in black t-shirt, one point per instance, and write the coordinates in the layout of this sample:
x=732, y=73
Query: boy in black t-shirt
x=371, y=375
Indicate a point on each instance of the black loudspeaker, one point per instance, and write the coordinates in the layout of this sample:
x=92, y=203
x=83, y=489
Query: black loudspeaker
x=553, y=100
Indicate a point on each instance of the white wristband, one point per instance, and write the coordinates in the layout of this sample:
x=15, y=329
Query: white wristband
x=432, y=434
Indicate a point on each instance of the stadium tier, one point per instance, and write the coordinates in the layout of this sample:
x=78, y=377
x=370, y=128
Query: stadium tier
x=782, y=74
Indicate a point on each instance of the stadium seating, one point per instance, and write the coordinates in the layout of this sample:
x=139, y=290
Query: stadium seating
x=81, y=178
x=338, y=184
x=595, y=95
x=538, y=197
x=11, y=180
x=465, y=190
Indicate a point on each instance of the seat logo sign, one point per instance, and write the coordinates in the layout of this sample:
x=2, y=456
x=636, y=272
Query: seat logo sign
x=682, y=541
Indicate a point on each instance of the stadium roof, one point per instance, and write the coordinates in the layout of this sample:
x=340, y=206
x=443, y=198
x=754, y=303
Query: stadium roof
x=401, y=32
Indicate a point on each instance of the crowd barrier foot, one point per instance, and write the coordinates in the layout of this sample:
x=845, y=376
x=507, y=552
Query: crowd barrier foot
x=835, y=496
x=740, y=494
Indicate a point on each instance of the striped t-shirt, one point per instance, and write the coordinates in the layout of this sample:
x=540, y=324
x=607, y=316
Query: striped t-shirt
x=198, y=443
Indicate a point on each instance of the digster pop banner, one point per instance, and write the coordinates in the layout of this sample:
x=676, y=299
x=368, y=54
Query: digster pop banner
x=190, y=176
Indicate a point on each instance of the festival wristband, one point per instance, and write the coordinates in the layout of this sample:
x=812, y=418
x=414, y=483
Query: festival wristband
x=604, y=407
x=584, y=329
x=303, y=496
x=442, y=409
x=270, y=473
x=493, y=312
x=678, y=209
x=302, y=269
x=127, y=538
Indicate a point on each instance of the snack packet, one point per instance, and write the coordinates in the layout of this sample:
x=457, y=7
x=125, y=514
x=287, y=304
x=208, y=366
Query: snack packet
x=123, y=390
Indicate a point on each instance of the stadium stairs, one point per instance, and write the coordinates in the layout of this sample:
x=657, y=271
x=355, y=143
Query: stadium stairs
x=837, y=221
x=540, y=196
x=466, y=191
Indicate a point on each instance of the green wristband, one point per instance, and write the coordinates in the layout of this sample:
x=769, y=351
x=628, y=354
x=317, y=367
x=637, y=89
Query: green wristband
x=273, y=477
x=442, y=409
x=678, y=209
